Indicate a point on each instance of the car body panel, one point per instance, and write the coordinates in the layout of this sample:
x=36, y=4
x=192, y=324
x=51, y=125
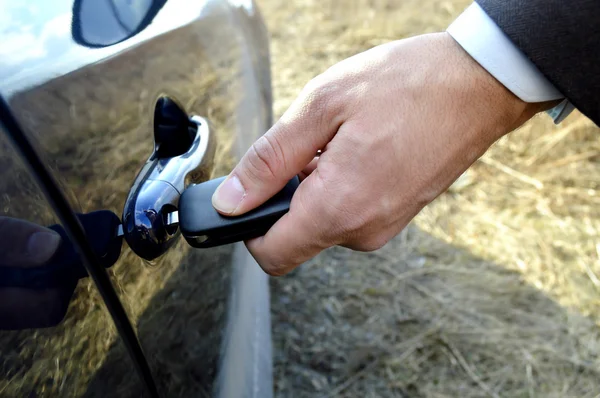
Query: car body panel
x=89, y=113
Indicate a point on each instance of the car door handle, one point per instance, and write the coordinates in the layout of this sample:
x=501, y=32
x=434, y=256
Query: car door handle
x=183, y=154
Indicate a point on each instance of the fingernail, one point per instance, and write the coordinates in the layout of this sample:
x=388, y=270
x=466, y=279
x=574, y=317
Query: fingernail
x=41, y=246
x=229, y=195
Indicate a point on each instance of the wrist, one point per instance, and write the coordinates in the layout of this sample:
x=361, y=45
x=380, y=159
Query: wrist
x=499, y=110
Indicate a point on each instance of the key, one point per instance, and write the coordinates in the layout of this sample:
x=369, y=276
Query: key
x=202, y=226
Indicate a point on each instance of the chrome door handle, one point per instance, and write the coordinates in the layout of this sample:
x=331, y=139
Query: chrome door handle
x=156, y=190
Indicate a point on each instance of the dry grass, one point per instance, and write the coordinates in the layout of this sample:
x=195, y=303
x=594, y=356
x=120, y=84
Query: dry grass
x=494, y=290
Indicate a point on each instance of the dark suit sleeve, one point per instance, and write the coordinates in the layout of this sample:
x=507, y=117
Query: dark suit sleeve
x=561, y=37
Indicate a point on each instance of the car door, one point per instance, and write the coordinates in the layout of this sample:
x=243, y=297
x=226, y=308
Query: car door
x=98, y=99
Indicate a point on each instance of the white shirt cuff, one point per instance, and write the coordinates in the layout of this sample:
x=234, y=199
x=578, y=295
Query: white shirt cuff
x=479, y=35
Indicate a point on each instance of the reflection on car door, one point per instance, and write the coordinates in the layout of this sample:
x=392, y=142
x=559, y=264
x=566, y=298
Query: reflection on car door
x=90, y=112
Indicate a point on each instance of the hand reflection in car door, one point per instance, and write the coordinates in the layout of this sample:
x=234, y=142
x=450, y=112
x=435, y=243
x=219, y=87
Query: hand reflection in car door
x=27, y=245
x=40, y=267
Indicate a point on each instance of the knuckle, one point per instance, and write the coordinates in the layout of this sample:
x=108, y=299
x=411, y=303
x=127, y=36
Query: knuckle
x=270, y=262
x=323, y=98
x=316, y=87
x=265, y=158
x=372, y=244
x=352, y=224
x=274, y=271
x=344, y=220
x=276, y=268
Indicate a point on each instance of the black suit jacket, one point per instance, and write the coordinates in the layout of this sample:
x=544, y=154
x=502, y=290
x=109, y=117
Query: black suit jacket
x=562, y=37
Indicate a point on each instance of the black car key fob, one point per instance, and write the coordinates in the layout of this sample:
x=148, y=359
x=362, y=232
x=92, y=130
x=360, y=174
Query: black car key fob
x=203, y=227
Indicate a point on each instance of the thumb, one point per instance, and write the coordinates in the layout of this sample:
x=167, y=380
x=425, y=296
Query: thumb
x=25, y=244
x=283, y=152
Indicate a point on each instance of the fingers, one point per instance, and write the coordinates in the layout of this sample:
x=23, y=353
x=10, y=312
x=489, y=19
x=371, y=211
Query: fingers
x=308, y=169
x=283, y=152
x=295, y=238
x=25, y=244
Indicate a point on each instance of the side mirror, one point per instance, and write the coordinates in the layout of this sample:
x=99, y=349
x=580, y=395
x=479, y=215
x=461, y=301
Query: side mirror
x=102, y=23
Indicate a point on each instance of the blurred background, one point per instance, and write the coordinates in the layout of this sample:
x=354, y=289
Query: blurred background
x=494, y=290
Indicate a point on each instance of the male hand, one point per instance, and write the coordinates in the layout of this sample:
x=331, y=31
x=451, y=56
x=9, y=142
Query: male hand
x=396, y=125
